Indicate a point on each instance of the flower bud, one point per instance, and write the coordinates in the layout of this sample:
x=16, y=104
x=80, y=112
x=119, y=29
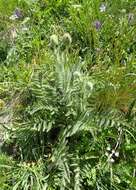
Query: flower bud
x=66, y=39
x=54, y=41
x=97, y=25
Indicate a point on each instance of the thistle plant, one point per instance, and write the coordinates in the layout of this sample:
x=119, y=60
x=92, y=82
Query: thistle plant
x=67, y=95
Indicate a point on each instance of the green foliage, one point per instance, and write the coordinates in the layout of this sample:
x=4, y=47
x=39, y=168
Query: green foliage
x=67, y=95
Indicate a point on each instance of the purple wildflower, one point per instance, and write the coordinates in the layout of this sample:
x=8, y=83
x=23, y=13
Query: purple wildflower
x=16, y=15
x=97, y=24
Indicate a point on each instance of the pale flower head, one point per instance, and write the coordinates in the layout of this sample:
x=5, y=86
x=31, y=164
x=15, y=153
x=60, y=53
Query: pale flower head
x=54, y=41
x=102, y=7
x=67, y=40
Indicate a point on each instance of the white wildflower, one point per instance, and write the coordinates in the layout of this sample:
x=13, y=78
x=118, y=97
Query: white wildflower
x=102, y=8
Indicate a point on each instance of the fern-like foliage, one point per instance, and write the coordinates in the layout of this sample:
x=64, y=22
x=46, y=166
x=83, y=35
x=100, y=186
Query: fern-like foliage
x=60, y=130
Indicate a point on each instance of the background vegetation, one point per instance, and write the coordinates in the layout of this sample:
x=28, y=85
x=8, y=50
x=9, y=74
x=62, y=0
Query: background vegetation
x=67, y=95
